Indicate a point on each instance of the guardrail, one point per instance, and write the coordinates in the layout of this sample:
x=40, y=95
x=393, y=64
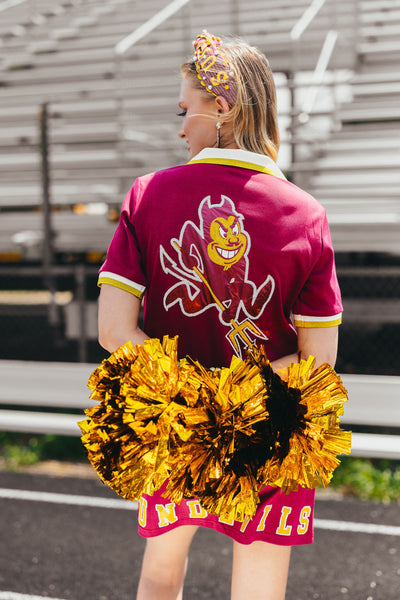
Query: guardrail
x=49, y=386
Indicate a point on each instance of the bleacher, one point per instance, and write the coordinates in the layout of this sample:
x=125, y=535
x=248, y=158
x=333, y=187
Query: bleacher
x=112, y=120
x=356, y=172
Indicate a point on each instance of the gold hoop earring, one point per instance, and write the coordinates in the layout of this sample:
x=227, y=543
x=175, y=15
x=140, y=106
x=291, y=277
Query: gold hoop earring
x=218, y=133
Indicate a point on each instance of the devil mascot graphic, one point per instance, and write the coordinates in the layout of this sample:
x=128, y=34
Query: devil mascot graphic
x=213, y=272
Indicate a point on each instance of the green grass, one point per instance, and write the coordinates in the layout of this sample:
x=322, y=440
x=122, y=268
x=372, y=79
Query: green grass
x=19, y=450
x=378, y=481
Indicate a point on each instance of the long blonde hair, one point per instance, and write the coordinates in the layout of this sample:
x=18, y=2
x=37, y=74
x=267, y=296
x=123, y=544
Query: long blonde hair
x=254, y=114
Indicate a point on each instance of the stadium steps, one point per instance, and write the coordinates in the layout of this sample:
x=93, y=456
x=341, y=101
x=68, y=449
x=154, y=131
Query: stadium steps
x=380, y=14
x=92, y=233
x=385, y=32
x=98, y=158
x=60, y=134
x=77, y=233
x=68, y=194
x=340, y=146
x=376, y=89
x=22, y=22
x=371, y=5
x=262, y=26
x=377, y=52
x=355, y=174
x=71, y=64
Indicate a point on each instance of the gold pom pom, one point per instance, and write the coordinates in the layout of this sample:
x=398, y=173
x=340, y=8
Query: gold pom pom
x=215, y=435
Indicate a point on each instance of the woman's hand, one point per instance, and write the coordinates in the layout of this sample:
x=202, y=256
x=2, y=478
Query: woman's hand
x=320, y=342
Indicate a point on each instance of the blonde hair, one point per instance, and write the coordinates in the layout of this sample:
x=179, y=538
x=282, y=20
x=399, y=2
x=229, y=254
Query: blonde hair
x=254, y=114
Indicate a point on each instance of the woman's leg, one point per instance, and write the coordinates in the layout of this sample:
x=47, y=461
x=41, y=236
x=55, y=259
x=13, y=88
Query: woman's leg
x=164, y=565
x=259, y=571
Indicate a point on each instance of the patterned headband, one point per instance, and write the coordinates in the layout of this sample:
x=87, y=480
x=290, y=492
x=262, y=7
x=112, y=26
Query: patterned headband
x=213, y=69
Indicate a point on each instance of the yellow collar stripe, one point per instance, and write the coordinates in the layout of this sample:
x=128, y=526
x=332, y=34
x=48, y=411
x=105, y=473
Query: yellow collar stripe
x=236, y=163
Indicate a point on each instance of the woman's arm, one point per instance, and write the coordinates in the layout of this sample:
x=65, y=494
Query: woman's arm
x=118, y=318
x=320, y=342
x=118, y=323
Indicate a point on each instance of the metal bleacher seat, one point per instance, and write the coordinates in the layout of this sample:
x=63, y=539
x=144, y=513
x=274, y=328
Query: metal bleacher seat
x=75, y=233
x=356, y=172
x=75, y=72
x=68, y=60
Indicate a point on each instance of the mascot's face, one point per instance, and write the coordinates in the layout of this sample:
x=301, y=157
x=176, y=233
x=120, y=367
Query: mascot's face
x=228, y=243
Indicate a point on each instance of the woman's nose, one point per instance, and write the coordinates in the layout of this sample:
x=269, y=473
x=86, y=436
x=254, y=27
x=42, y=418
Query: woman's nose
x=181, y=133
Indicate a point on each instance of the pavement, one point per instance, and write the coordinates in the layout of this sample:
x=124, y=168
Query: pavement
x=66, y=536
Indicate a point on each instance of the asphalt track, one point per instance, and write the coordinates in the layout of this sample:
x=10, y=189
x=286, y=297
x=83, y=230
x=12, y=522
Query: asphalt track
x=69, y=538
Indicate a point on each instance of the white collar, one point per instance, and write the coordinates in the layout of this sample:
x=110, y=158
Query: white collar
x=238, y=158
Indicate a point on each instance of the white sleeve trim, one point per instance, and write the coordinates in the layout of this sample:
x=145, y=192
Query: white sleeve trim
x=308, y=321
x=125, y=280
x=121, y=282
x=318, y=319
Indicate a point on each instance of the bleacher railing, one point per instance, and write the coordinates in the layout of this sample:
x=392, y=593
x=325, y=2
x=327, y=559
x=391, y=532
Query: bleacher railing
x=304, y=96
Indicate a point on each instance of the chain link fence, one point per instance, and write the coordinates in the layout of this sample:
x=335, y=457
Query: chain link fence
x=370, y=334
x=37, y=325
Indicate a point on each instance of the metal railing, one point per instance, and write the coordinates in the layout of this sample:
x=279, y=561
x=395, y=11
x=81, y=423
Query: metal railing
x=318, y=76
x=301, y=111
x=155, y=21
x=6, y=4
x=120, y=50
x=296, y=34
x=306, y=19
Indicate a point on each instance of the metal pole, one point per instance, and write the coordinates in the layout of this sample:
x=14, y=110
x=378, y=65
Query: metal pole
x=47, y=242
x=45, y=172
x=356, y=29
x=119, y=105
x=80, y=279
x=290, y=78
x=235, y=19
x=186, y=28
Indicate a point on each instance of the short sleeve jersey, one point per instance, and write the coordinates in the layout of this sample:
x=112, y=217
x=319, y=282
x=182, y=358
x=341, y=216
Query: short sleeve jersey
x=226, y=253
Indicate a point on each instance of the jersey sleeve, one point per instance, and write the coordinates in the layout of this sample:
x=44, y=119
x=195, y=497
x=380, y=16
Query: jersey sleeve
x=123, y=267
x=319, y=302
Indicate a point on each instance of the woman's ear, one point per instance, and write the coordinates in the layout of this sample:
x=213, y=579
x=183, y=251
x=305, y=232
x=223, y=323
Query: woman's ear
x=222, y=105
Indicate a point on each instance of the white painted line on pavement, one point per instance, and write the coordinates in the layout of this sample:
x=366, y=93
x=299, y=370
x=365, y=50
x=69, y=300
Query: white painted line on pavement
x=66, y=499
x=96, y=502
x=357, y=527
x=15, y=596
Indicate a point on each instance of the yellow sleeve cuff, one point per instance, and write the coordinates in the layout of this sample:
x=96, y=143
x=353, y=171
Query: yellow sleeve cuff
x=122, y=283
x=307, y=321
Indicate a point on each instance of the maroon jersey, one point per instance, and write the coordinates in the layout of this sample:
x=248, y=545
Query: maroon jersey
x=226, y=253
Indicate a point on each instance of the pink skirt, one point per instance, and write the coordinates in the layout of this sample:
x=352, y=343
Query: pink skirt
x=282, y=519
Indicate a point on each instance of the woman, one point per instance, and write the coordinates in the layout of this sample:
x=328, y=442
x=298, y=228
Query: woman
x=226, y=253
